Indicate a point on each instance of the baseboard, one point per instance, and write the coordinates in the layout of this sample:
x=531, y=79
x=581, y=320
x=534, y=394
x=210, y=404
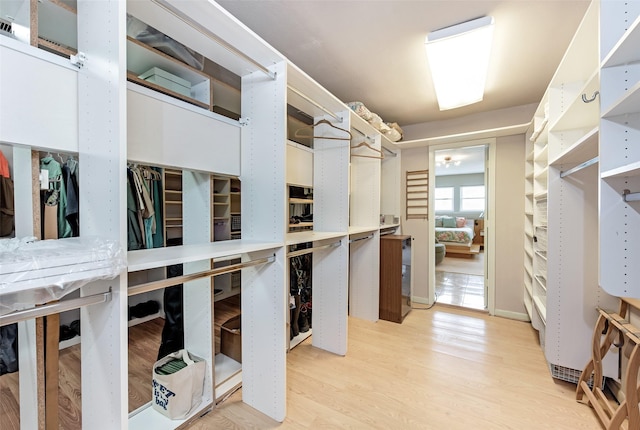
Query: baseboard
x=512, y=315
x=421, y=300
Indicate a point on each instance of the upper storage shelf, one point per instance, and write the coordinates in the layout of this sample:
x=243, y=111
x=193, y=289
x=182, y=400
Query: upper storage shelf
x=163, y=64
x=194, y=28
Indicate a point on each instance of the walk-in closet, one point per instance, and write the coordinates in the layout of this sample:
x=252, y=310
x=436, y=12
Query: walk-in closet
x=176, y=193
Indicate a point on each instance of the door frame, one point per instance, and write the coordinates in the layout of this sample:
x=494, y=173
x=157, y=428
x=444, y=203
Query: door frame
x=489, y=216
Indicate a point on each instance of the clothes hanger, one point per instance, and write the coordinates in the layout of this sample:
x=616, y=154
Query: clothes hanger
x=323, y=121
x=364, y=143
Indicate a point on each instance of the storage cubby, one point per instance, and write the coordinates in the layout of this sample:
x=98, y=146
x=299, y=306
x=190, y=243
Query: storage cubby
x=161, y=63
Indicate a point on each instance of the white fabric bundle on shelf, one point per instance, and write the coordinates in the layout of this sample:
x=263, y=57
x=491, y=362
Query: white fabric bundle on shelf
x=391, y=131
x=360, y=109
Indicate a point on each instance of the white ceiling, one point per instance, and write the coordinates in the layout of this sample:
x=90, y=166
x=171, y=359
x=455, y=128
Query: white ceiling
x=373, y=51
x=471, y=160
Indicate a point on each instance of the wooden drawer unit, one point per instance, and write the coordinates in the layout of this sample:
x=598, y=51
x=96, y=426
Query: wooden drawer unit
x=395, y=277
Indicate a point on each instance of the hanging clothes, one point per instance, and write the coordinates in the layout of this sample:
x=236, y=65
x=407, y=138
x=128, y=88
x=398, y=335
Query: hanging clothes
x=134, y=233
x=72, y=212
x=56, y=183
x=4, y=166
x=158, y=236
x=7, y=204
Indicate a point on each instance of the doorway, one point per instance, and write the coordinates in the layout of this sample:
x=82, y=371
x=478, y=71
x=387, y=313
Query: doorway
x=459, y=210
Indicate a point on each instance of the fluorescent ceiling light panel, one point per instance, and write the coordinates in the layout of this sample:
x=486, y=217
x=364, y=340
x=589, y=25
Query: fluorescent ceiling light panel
x=459, y=59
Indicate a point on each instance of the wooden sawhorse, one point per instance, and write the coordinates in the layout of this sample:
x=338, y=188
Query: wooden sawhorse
x=609, y=327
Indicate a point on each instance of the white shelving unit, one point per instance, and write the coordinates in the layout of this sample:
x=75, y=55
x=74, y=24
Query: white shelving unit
x=94, y=112
x=565, y=284
x=619, y=156
x=364, y=222
x=528, y=213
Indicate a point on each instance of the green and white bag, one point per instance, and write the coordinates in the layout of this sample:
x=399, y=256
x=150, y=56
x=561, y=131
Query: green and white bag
x=178, y=381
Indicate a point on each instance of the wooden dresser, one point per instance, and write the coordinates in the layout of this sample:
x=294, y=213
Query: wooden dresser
x=395, y=277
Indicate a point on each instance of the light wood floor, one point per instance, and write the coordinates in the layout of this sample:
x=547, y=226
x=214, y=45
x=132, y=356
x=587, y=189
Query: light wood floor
x=442, y=369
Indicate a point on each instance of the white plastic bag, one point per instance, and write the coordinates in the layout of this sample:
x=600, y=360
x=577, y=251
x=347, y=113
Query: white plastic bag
x=175, y=395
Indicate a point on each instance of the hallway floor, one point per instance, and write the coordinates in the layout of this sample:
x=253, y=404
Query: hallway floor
x=460, y=289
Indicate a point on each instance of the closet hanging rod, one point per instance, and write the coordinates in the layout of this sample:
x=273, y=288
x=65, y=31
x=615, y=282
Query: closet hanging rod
x=316, y=104
x=628, y=196
x=169, y=282
x=54, y=308
x=310, y=250
x=390, y=152
x=579, y=167
x=369, y=138
x=205, y=31
x=361, y=238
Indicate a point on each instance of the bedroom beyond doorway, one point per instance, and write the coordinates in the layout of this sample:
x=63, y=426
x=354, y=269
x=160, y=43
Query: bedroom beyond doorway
x=460, y=204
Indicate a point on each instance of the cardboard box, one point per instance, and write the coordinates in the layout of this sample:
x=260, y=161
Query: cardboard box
x=231, y=339
x=167, y=80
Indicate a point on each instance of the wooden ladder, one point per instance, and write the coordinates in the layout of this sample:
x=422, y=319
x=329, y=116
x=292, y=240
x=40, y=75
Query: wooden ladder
x=609, y=327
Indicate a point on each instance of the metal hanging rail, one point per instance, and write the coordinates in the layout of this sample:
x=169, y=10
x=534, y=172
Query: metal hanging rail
x=369, y=138
x=169, y=282
x=579, y=167
x=214, y=37
x=54, y=308
x=628, y=196
x=313, y=102
x=310, y=250
x=390, y=151
x=361, y=238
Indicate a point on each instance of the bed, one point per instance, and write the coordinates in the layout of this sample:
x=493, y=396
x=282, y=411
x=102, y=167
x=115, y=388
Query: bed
x=456, y=233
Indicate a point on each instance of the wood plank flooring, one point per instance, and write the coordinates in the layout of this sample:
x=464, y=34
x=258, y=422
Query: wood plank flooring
x=442, y=369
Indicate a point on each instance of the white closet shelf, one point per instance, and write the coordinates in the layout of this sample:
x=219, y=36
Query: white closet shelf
x=626, y=104
x=158, y=257
x=225, y=368
x=363, y=229
x=146, y=417
x=578, y=113
x=312, y=236
x=541, y=155
x=631, y=169
x=626, y=50
x=294, y=200
x=301, y=337
x=541, y=308
x=583, y=150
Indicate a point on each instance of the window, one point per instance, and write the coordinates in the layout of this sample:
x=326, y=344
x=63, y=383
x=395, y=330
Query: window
x=472, y=198
x=444, y=199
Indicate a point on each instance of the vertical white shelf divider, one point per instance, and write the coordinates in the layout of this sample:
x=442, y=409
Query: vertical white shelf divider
x=197, y=297
x=364, y=278
x=27, y=356
x=263, y=200
x=102, y=148
x=330, y=273
x=364, y=214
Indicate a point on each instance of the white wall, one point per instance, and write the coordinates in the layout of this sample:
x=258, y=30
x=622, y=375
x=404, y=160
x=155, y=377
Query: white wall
x=509, y=225
x=509, y=195
x=471, y=123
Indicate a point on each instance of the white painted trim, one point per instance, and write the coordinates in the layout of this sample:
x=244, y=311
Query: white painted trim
x=519, y=316
x=421, y=300
x=454, y=139
x=489, y=236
